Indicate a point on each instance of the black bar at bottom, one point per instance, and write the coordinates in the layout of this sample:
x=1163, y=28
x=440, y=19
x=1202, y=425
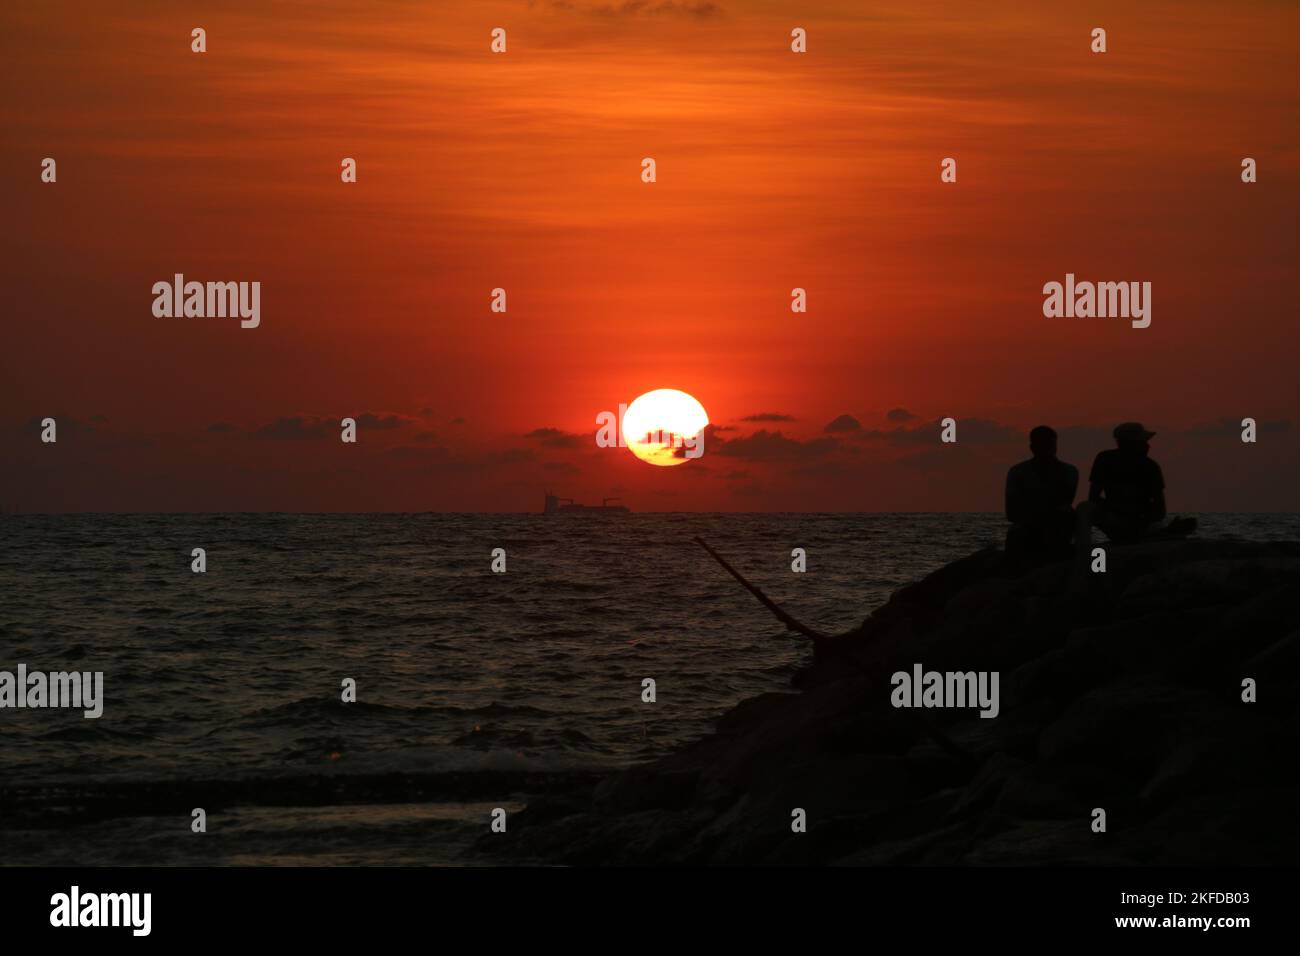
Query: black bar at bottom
x=625, y=906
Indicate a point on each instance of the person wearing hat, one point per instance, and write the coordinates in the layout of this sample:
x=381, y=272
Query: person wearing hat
x=1127, y=491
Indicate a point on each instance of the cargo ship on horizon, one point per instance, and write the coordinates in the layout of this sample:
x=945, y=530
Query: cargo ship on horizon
x=564, y=506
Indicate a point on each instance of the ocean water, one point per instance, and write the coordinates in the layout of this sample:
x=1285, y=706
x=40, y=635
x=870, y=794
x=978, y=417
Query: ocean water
x=222, y=690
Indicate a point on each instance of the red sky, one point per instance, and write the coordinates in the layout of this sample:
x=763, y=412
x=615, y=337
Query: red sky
x=522, y=171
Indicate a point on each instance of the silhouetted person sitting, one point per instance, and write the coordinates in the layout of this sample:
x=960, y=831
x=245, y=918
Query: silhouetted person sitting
x=1127, y=491
x=1040, y=501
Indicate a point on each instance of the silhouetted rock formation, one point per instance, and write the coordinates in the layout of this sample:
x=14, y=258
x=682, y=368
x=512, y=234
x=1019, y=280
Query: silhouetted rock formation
x=1126, y=696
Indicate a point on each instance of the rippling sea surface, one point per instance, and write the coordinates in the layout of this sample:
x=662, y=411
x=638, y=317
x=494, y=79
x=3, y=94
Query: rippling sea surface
x=228, y=683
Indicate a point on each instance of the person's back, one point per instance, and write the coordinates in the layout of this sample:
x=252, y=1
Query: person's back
x=1037, y=489
x=1127, y=488
x=1039, y=499
x=1128, y=483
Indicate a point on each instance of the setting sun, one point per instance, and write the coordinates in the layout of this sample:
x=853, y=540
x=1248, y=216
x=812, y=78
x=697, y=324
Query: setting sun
x=665, y=427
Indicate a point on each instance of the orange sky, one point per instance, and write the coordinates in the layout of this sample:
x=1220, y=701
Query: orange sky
x=521, y=171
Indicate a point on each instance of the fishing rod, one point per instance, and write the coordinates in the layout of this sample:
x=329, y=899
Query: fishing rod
x=766, y=601
x=928, y=725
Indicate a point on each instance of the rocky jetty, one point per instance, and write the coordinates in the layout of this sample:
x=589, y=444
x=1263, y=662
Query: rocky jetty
x=1120, y=690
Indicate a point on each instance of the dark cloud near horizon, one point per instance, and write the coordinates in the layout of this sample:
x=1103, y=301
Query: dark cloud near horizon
x=899, y=416
x=764, y=445
x=844, y=423
x=970, y=430
x=295, y=428
x=768, y=417
x=554, y=438
x=986, y=430
x=314, y=427
x=370, y=420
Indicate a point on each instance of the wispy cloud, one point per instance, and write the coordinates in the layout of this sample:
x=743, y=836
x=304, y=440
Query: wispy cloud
x=685, y=9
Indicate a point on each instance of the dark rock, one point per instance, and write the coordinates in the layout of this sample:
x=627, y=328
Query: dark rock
x=1121, y=692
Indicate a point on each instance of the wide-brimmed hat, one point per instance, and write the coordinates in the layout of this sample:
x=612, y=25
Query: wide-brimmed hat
x=1132, y=431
